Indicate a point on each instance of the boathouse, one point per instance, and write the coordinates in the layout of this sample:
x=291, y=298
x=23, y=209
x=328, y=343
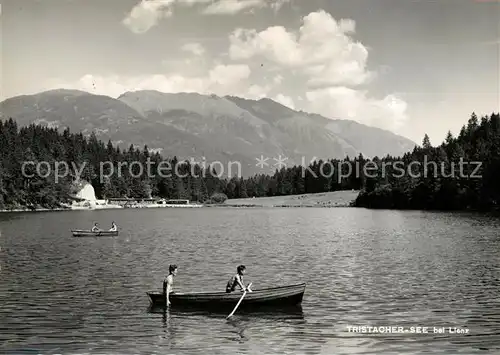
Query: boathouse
x=173, y=202
x=126, y=202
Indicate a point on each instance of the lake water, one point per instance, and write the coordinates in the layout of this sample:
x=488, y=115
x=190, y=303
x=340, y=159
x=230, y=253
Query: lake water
x=60, y=294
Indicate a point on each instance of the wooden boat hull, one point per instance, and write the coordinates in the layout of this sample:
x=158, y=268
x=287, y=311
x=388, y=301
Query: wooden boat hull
x=87, y=233
x=276, y=297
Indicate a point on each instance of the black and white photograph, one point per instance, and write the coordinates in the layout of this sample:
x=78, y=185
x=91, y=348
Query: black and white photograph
x=250, y=177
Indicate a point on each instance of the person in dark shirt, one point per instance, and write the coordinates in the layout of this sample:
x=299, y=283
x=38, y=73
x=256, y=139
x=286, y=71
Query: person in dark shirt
x=237, y=280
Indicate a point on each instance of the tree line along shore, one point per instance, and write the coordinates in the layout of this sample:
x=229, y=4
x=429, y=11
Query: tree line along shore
x=459, y=174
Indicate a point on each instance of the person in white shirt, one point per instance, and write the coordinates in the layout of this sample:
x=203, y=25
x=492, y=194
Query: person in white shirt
x=96, y=228
x=114, y=227
x=168, y=283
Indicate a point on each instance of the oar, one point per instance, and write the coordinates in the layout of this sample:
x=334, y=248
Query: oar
x=241, y=299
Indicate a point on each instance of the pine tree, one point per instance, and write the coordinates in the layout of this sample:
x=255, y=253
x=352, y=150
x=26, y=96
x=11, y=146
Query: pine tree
x=426, y=142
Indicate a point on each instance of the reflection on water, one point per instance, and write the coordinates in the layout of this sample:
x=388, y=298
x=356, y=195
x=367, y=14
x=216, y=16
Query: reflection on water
x=266, y=313
x=60, y=294
x=239, y=328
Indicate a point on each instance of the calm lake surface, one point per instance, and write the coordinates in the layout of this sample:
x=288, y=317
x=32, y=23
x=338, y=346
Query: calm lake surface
x=60, y=294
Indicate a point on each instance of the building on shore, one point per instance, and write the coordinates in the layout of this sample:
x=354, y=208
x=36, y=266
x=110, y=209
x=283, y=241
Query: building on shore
x=174, y=202
x=85, y=198
x=126, y=202
x=131, y=202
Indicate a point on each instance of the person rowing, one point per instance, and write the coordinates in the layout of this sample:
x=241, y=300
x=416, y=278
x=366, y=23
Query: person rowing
x=96, y=228
x=168, y=283
x=114, y=227
x=237, y=280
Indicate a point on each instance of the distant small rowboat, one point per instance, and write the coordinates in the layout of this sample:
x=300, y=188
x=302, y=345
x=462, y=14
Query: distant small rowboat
x=88, y=233
x=279, y=297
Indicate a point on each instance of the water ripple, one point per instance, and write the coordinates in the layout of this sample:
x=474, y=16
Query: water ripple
x=60, y=294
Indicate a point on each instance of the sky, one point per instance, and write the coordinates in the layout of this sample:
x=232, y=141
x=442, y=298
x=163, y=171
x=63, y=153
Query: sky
x=408, y=66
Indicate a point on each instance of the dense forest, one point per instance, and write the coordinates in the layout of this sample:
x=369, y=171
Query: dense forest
x=458, y=174
x=40, y=184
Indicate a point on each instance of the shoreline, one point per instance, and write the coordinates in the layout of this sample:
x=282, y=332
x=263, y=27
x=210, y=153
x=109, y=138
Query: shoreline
x=222, y=205
x=225, y=205
x=59, y=209
x=97, y=208
x=334, y=199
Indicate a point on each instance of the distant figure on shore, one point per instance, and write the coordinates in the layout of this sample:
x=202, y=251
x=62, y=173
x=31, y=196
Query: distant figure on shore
x=237, y=280
x=96, y=228
x=168, y=283
x=114, y=227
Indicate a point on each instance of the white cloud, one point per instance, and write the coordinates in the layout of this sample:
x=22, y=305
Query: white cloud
x=323, y=56
x=115, y=85
x=147, y=13
x=342, y=102
x=229, y=75
x=193, y=2
x=194, y=48
x=231, y=7
x=221, y=80
x=321, y=49
x=257, y=92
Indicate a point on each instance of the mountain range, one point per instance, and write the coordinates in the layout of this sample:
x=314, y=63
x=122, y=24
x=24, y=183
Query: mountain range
x=207, y=128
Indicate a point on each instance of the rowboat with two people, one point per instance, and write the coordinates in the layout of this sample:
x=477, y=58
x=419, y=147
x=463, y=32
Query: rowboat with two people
x=282, y=296
x=96, y=231
x=271, y=298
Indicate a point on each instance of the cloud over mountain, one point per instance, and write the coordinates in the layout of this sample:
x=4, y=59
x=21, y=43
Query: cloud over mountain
x=321, y=50
x=322, y=59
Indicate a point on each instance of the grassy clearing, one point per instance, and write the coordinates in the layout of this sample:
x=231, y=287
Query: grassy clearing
x=324, y=199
